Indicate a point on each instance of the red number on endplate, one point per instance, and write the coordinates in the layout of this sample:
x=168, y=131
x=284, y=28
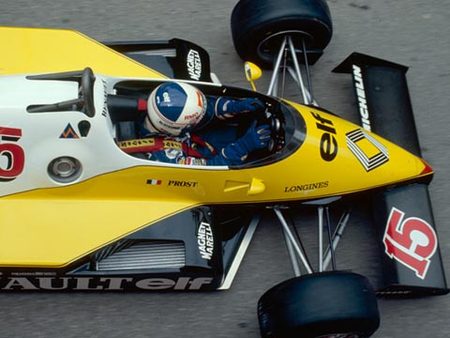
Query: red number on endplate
x=411, y=241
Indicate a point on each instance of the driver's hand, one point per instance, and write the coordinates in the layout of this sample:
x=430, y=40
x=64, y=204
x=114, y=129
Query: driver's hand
x=250, y=105
x=228, y=108
x=256, y=137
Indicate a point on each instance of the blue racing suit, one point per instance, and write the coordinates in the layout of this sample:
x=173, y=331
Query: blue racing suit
x=215, y=140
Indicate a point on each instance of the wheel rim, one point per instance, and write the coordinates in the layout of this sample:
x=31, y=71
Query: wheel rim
x=270, y=46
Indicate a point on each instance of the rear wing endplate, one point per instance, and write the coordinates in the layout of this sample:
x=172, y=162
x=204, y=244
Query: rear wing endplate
x=175, y=58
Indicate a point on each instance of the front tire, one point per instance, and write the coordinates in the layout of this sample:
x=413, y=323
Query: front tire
x=258, y=25
x=330, y=304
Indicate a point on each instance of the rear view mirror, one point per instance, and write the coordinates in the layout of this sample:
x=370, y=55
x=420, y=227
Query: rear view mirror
x=252, y=73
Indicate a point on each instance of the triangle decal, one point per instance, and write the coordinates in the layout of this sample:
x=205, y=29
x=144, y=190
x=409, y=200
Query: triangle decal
x=69, y=132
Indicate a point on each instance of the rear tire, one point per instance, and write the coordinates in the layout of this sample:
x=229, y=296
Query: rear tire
x=319, y=305
x=258, y=25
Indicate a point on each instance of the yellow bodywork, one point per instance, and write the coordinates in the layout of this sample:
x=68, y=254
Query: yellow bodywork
x=53, y=227
x=41, y=50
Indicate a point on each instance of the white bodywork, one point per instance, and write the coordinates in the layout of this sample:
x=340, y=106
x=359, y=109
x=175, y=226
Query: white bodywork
x=42, y=133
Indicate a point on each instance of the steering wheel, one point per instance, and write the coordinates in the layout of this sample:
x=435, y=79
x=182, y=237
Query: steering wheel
x=87, y=91
x=275, y=123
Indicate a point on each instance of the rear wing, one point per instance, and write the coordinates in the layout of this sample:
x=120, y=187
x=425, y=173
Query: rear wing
x=44, y=50
x=175, y=58
x=412, y=262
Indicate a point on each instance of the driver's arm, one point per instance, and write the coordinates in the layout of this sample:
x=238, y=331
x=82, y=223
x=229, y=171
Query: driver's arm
x=235, y=153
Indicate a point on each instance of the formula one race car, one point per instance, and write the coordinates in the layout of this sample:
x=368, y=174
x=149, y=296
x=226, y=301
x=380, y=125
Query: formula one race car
x=81, y=211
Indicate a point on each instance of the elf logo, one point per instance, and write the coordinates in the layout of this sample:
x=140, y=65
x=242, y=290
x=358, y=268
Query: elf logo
x=411, y=241
x=16, y=283
x=328, y=142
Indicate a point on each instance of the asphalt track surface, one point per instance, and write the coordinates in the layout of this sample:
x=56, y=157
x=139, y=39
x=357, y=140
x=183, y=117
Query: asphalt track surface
x=411, y=32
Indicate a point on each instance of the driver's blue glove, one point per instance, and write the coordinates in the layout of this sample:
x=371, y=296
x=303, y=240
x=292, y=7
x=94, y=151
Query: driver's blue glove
x=228, y=108
x=256, y=137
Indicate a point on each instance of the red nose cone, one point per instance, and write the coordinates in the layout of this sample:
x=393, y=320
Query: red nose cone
x=427, y=169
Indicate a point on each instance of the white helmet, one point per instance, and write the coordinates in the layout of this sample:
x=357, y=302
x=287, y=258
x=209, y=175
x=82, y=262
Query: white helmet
x=174, y=107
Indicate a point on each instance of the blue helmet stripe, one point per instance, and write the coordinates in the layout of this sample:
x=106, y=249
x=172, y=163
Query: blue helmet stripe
x=170, y=100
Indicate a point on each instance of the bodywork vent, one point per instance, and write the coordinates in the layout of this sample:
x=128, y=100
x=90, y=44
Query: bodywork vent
x=143, y=255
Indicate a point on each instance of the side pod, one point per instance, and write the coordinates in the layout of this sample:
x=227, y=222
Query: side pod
x=412, y=263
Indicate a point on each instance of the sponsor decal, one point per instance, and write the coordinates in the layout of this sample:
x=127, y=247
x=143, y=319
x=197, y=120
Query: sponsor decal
x=102, y=283
x=136, y=143
x=361, y=96
x=205, y=240
x=105, y=111
x=194, y=64
x=171, y=144
x=306, y=187
x=150, y=144
x=69, y=132
x=154, y=182
x=12, y=156
x=166, y=97
x=33, y=273
x=182, y=184
x=167, y=125
x=411, y=241
x=193, y=117
x=192, y=161
x=370, y=157
x=328, y=143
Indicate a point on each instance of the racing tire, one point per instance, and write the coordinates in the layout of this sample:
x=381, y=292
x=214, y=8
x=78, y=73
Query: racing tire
x=257, y=26
x=329, y=304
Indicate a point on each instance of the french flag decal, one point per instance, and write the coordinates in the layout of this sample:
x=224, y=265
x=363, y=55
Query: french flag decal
x=154, y=182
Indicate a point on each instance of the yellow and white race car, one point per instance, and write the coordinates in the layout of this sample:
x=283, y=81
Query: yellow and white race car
x=79, y=212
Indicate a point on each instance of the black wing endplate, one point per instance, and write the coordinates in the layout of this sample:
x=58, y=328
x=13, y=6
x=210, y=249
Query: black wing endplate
x=412, y=262
x=175, y=58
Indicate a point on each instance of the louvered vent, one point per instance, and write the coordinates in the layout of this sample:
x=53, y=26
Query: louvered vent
x=142, y=255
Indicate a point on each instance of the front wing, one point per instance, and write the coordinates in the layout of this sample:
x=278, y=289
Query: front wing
x=403, y=216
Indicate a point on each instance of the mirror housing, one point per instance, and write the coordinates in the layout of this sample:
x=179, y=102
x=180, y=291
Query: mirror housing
x=252, y=73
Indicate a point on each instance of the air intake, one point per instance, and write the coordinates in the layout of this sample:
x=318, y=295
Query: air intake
x=144, y=255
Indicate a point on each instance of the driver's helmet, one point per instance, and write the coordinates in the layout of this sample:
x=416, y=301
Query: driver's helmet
x=175, y=107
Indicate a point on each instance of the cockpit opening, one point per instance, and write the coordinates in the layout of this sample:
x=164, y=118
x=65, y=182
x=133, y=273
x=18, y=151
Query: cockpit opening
x=128, y=111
